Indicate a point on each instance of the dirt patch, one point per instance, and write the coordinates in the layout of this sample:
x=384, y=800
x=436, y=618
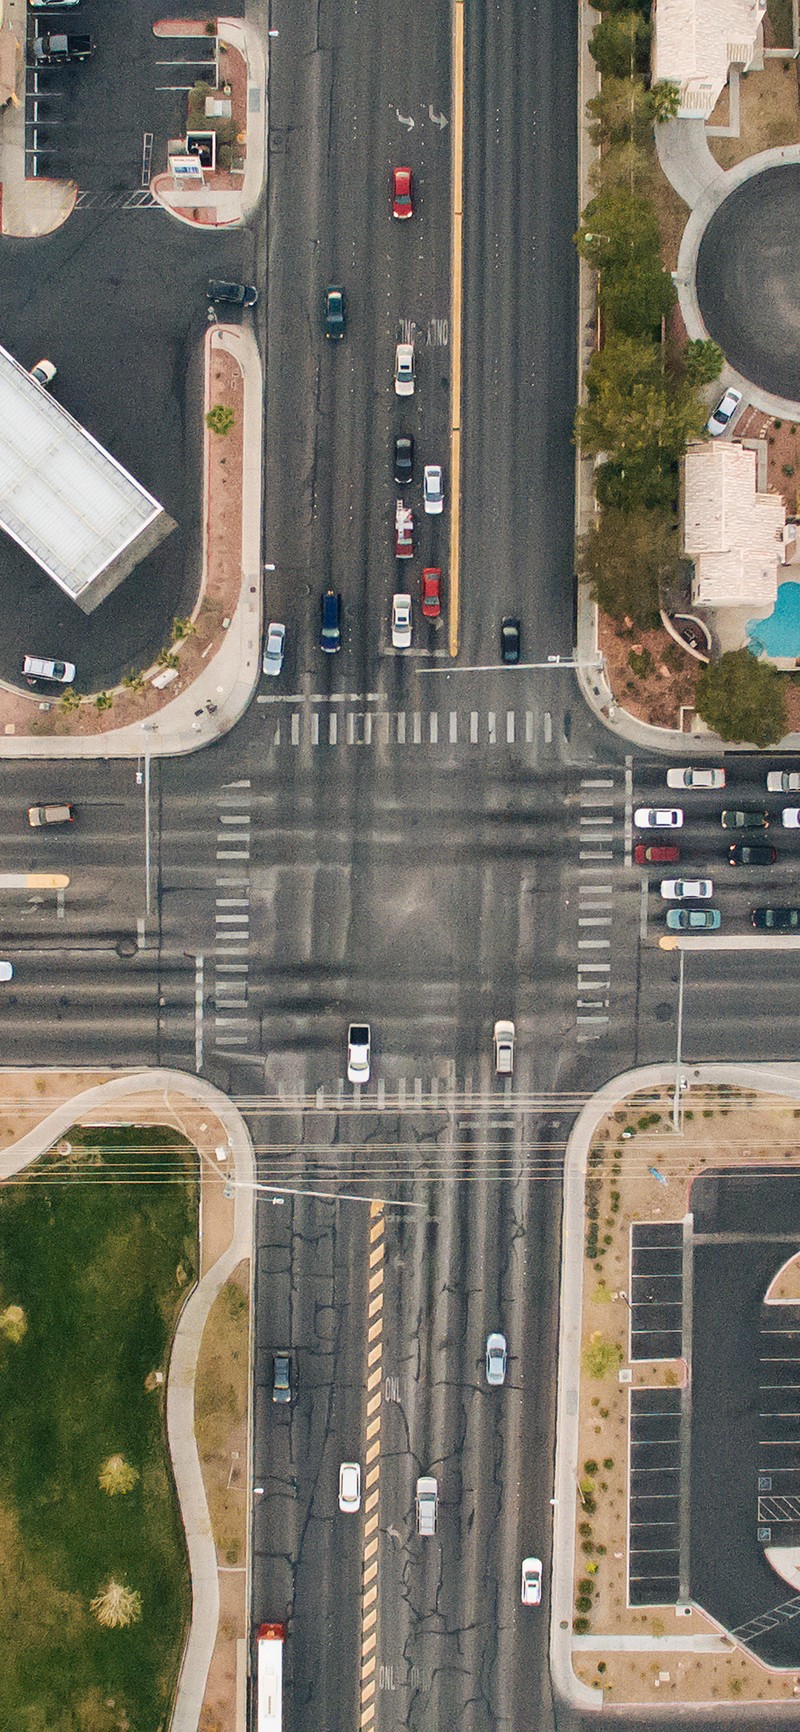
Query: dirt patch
x=661, y=679
x=769, y=114
x=723, y=1128
x=221, y=1408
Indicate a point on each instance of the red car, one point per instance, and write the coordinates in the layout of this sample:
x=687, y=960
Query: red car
x=432, y=592
x=402, y=193
x=403, y=531
x=655, y=854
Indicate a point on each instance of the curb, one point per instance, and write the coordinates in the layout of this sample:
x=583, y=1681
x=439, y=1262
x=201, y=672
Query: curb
x=783, y=1079
x=182, y=1369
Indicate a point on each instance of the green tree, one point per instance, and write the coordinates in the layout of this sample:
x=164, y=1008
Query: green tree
x=743, y=699
x=637, y=296
x=649, y=484
x=625, y=558
x=634, y=408
x=627, y=165
x=620, y=45
x=621, y=110
x=616, y=227
x=220, y=419
x=703, y=361
x=665, y=100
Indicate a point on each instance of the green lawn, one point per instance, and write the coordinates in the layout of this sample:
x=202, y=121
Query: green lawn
x=93, y=1260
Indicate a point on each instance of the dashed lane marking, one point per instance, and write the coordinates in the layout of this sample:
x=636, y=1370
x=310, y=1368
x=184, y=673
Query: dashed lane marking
x=372, y=1467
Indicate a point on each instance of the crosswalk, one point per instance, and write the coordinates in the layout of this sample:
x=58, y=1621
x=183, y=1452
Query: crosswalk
x=232, y=918
x=324, y=724
x=595, y=892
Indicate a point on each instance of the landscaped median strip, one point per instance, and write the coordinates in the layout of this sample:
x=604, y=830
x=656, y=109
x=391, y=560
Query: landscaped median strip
x=372, y=1475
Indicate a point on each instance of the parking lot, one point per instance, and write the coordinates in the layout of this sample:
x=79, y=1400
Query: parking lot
x=105, y=122
x=745, y=1358
x=654, y=1497
x=704, y=845
x=656, y=1290
x=778, y=1507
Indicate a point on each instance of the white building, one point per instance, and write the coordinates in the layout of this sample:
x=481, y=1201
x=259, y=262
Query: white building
x=64, y=499
x=695, y=43
x=735, y=536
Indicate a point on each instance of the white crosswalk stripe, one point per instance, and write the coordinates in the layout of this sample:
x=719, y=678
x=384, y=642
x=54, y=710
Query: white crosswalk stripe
x=596, y=837
x=317, y=723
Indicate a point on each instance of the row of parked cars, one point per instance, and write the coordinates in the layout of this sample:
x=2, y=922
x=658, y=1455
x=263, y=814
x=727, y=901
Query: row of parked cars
x=756, y=852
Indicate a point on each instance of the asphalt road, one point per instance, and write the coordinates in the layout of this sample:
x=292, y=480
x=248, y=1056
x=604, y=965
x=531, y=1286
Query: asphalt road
x=757, y=333
x=429, y=852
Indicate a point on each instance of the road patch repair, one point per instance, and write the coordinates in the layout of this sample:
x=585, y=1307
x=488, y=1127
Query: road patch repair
x=676, y=1574
x=202, y=1386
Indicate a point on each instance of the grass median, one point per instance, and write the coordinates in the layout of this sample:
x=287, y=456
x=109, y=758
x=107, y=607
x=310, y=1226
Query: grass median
x=97, y=1248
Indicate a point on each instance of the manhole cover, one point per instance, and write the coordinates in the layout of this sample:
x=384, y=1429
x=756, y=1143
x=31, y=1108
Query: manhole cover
x=664, y=1013
x=127, y=947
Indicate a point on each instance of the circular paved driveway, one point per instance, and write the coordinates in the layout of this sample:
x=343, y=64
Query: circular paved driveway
x=748, y=280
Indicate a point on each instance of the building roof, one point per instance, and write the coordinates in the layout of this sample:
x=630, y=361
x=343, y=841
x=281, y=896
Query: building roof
x=733, y=534
x=695, y=42
x=64, y=499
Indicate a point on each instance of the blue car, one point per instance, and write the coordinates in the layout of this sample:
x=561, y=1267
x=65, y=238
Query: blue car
x=694, y=919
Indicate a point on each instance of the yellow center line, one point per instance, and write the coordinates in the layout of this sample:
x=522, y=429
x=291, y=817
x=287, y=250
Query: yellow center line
x=369, y=1565
x=456, y=275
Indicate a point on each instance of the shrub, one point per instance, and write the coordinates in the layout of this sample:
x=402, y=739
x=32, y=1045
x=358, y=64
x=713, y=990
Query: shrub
x=590, y=1467
x=220, y=419
x=580, y=1626
x=584, y=1603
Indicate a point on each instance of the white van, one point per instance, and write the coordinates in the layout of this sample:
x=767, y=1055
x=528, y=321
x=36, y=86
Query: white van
x=427, y=1496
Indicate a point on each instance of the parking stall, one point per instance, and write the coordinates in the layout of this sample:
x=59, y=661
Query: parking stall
x=779, y=1427
x=654, y=1497
x=656, y=1290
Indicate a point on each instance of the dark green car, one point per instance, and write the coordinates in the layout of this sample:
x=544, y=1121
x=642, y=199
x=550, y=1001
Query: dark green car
x=744, y=820
x=335, y=317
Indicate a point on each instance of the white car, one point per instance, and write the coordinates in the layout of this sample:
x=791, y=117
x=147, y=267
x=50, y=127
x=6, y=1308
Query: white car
x=719, y=417
x=6, y=971
x=783, y=782
x=401, y=621
x=45, y=668
x=504, y=1035
x=349, y=1487
x=44, y=372
x=695, y=778
x=790, y=817
x=682, y=889
x=531, y=1588
x=358, y=1052
x=274, y=648
x=658, y=818
x=404, y=369
x=496, y=1360
x=433, y=489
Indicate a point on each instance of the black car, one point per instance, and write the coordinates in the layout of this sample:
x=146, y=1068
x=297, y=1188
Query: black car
x=335, y=318
x=510, y=638
x=330, y=634
x=776, y=919
x=232, y=294
x=56, y=49
x=281, y=1377
x=751, y=854
x=404, y=459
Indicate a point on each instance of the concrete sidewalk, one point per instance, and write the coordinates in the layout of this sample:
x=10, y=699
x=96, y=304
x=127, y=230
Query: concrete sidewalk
x=781, y=1079
x=173, y=1089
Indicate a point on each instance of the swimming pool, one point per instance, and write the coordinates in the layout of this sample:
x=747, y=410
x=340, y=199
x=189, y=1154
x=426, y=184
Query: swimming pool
x=779, y=635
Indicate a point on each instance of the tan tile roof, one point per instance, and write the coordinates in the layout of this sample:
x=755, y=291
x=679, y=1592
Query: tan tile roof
x=695, y=42
x=731, y=532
